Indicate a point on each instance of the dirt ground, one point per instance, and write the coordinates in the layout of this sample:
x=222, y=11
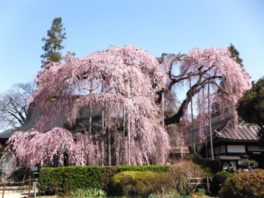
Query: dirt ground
x=15, y=195
x=24, y=194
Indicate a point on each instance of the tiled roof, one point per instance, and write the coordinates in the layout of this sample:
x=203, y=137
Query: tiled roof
x=6, y=134
x=243, y=132
x=223, y=129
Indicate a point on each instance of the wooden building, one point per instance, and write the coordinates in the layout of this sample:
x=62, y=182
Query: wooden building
x=232, y=142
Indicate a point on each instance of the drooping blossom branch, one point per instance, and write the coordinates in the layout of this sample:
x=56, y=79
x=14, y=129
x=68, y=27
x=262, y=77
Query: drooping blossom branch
x=123, y=78
x=213, y=67
x=119, y=78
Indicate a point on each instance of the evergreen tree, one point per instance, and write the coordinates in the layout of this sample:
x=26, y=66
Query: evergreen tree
x=53, y=43
x=235, y=54
x=251, y=106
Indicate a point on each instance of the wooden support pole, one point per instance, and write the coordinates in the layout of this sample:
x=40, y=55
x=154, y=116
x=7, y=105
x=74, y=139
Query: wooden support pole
x=210, y=124
x=29, y=186
x=128, y=139
x=3, y=193
x=123, y=144
x=103, y=139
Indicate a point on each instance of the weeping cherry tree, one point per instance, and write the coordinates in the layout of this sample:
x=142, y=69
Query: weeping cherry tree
x=120, y=78
x=123, y=82
x=214, y=75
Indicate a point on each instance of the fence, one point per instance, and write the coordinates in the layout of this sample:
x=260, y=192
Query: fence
x=194, y=182
x=26, y=185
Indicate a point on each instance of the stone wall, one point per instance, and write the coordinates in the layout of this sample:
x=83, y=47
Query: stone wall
x=8, y=164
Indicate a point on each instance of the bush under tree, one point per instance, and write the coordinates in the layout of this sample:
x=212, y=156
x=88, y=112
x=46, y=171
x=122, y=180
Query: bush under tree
x=218, y=180
x=244, y=185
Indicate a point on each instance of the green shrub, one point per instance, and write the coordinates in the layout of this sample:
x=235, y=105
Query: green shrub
x=50, y=181
x=167, y=180
x=23, y=174
x=137, y=183
x=107, y=173
x=244, y=185
x=201, y=191
x=154, y=168
x=219, y=179
x=63, y=180
x=180, y=173
x=259, y=170
x=88, y=193
x=212, y=166
x=167, y=195
x=248, y=162
x=70, y=178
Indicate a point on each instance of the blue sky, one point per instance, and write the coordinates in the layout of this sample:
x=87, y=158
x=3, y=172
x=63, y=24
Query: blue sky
x=155, y=25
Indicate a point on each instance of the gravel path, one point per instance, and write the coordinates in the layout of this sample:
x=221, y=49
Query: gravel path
x=16, y=194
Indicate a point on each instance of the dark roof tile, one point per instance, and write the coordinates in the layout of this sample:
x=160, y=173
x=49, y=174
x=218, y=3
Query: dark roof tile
x=245, y=132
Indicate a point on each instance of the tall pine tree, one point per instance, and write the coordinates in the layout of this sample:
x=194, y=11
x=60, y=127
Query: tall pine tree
x=53, y=43
x=235, y=54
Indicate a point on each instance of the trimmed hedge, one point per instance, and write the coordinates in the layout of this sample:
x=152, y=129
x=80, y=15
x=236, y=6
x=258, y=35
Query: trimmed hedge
x=71, y=178
x=154, y=168
x=136, y=183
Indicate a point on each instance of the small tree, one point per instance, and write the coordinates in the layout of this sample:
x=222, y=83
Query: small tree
x=53, y=43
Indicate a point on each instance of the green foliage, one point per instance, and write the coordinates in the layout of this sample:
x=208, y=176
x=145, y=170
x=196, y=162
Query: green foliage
x=88, y=193
x=201, y=191
x=70, y=178
x=154, y=168
x=244, y=185
x=137, y=183
x=23, y=174
x=211, y=166
x=107, y=173
x=50, y=181
x=64, y=179
x=249, y=162
x=235, y=54
x=251, y=106
x=53, y=42
x=120, y=180
x=219, y=179
x=167, y=195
